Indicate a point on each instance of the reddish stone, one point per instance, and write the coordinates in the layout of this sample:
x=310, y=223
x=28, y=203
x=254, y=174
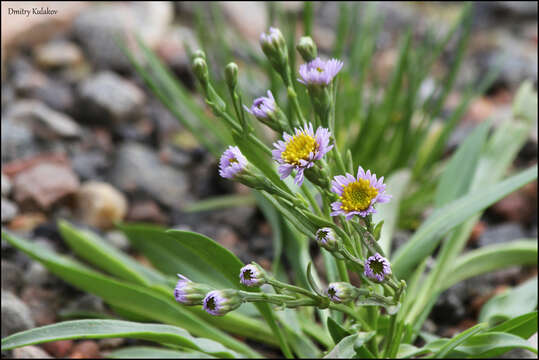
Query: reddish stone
x=477, y=230
x=146, y=211
x=43, y=304
x=27, y=221
x=87, y=349
x=16, y=166
x=59, y=348
x=44, y=184
x=227, y=237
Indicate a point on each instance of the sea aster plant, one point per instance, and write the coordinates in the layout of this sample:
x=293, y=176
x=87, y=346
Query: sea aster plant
x=300, y=151
x=232, y=162
x=357, y=196
x=377, y=267
x=252, y=275
x=319, y=72
x=262, y=107
x=220, y=302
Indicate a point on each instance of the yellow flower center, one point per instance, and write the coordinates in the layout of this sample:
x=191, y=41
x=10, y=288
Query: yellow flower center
x=233, y=160
x=299, y=148
x=319, y=69
x=357, y=196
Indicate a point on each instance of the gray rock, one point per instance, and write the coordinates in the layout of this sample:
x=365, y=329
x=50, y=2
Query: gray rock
x=239, y=217
x=47, y=122
x=30, y=352
x=450, y=308
x=6, y=185
x=16, y=315
x=107, y=98
x=501, y=233
x=136, y=167
x=100, y=27
x=89, y=164
x=86, y=302
x=38, y=275
x=9, y=210
x=17, y=140
x=58, y=54
x=11, y=276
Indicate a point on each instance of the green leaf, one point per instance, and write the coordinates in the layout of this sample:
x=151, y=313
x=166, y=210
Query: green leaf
x=523, y=325
x=397, y=184
x=98, y=252
x=512, y=303
x=426, y=238
x=220, y=202
x=493, y=344
x=102, y=329
x=134, y=298
x=149, y=352
x=407, y=351
x=458, y=339
x=458, y=174
x=345, y=349
x=337, y=331
x=490, y=258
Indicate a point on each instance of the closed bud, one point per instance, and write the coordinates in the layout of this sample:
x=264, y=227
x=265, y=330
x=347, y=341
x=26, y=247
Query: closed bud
x=231, y=75
x=342, y=292
x=325, y=237
x=307, y=48
x=252, y=275
x=274, y=47
x=199, y=54
x=187, y=292
x=220, y=302
x=201, y=71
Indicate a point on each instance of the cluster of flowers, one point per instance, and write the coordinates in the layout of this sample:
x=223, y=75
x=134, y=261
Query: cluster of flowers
x=301, y=152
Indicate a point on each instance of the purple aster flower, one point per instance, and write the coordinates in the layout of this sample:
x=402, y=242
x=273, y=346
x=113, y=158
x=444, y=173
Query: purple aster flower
x=220, y=302
x=252, y=275
x=377, y=267
x=232, y=162
x=339, y=292
x=358, y=195
x=262, y=107
x=326, y=238
x=319, y=72
x=300, y=151
x=188, y=292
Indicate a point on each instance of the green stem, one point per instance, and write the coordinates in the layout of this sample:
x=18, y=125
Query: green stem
x=293, y=288
x=348, y=311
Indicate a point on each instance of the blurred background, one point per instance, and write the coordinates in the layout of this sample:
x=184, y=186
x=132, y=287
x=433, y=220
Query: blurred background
x=84, y=139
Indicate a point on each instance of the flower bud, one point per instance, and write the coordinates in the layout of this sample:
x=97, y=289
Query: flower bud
x=199, y=54
x=200, y=69
x=307, y=48
x=220, y=302
x=326, y=238
x=190, y=293
x=377, y=267
x=341, y=292
x=252, y=275
x=274, y=47
x=231, y=75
